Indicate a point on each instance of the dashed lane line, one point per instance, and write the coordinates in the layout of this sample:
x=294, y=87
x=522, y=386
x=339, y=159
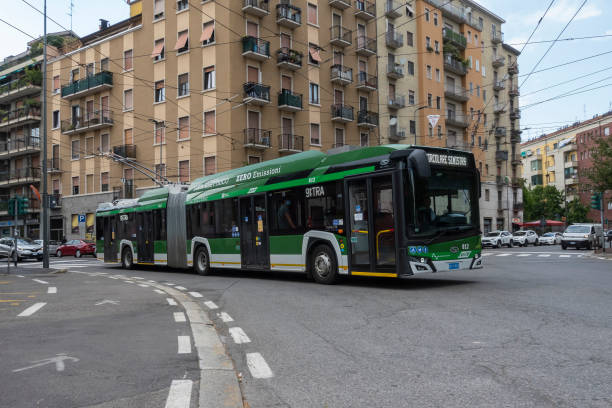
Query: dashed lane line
x=238, y=335
x=20, y=276
x=180, y=288
x=211, y=305
x=524, y=255
x=503, y=254
x=41, y=281
x=564, y=256
x=258, y=366
x=179, y=395
x=32, y=309
x=51, y=289
x=137, y=277
x=142, y=285
x=161, y=292
x=184, y=344
x=179, y=317
x=171, y=301
x=487, y=254
x=543, y=255
x=196, y=294
x=226, y=318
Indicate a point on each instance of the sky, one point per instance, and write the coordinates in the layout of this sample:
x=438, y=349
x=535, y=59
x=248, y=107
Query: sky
x=521, y=18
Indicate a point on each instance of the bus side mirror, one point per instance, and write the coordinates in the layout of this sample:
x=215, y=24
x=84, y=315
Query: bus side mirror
x=478, y=183
x=419, y=163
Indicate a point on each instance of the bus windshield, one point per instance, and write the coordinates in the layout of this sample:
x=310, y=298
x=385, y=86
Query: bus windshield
x=445, y=202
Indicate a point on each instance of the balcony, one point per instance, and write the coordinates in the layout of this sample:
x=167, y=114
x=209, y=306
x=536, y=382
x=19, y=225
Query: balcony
x=15, y=147
x=288, y=15
x=365, y=10
x=497, y=37
x=571, y=180
x=501, y=155
x=258, y=8
x=571, y=163
x=342, y=113
x=341, y=75
x=366, y=46
x=499, y=107
x=515, y=136
x=256, y=93
x=340, y=4
x=456, y=93
x=18, y=88
x=516, y=160
x=19, y=117
x=290, y=143
x=367, y=119
x=457, y=119
x=289, y=59
x=498, y=62
x=395, y=70
x=515, y=114
x=513, y=69
x=500, y=131
x=393, y=39
x=366, y=82
x=454, y=38
x=19, y=176
x=453, y=65
x=289, y=101
x=396, y=133
x=451, y=11
x=91, y=121
x=54, y=165
x=99, y=82
x=501, y=180
x=128, y=151
x=499, y=85
x=393, y=9
x=340, y=36
x=257, y=138
x=514, y=92
x=255, y=48
x=396, y=102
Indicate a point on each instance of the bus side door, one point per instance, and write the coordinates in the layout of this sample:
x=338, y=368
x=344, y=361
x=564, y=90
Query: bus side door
x=145, y=237
x=254, y=247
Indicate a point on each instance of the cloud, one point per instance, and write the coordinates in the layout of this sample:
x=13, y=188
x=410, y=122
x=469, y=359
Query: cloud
x=563, y=10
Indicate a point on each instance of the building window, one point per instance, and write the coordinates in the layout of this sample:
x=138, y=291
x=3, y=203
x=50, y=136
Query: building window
x=314, y=54
x=477, y=65
x=487, y=195
x=89, y=146
x=128, y=139
x=160, y=132
x=364, y=139
x=410, y=68
x=183, y=85
x=56, y=119
x=75, y=185
x=210, y=165
x=128, y=60
x=412, y=127
x=182, y=5
x=429, y=100
x=104, y=181
x=438, y=102
x=438, y=74
x=426, y=14
x=254, y=160
x=428, y=43
x=76, y=149
x=409, y=38
x=160, y=170
x=435, y=18
x=437, y=46
x=183, y=128
x=478, y=90
x=430, y=131
x=74, y=75
x=208, y=33
x=439, y=132
x=411, y=97
x=183, y=171
x=56, y=84
x=339, y=137
x=158, y=9
x=315, y=137
x=104, y=64
x=128, y=101
x=476, y=39
x=209, y=78
x=182, y=42
x=312, y=14
x=471, y=89
x=471, y=62
x=158, y=50
x=89, y=184
x=314, y=93
x=484, y=94
x=210, y=126
x=160, y=91
x=104, y=143
x=428, y=71
x=484, y=71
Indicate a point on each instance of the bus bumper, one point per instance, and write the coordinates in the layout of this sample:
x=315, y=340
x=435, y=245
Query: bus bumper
x=429, y=266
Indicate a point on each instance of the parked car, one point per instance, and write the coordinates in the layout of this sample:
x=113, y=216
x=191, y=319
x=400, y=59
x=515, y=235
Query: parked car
x=26, y=248
x=582, y=236
x=608, y=236
x=551, y=238
x=497, y=239
x=76, y=247
x=525, y=237
x=53, y=245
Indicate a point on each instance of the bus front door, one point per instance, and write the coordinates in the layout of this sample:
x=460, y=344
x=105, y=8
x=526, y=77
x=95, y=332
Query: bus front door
x=145, y=238
x=110, y=253
x=372, y=229
x=254, y=248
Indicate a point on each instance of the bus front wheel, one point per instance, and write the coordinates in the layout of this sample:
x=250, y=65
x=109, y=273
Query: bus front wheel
x=127, y=260
x=323, y=265
x=201, y=263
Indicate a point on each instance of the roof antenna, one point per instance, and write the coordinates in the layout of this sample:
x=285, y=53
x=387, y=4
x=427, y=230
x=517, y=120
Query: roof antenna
x=70, y=14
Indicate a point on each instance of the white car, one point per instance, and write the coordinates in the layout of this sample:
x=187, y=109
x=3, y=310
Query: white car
x=582, y=235
x=524, y=238
x=497, y=239
x=551, y=238
x=26, y=248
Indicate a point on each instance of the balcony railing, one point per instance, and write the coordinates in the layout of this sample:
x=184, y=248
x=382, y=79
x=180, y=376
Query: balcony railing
x=256, y=93
x=515, y=114
x=18, y=88
x=256, y=48
x=89, y=121
x=501, y=155
x=365, y=9
x=19, y=176
x=367, y=119
x=54, y=165
x=515, y=136
x=498, y=61
x=514, y=91
x=90, y=84
x=453, y=65
x=393, y=9
x=393, y=39
x=257, y=138
x=497, y=37
x=513, y=69
x=257, y=8
x=366, y=46
x=20, y=145
x=341, y=4
x=367, y=82
x=288, y=58
x=454, y=38
x=342, y=113
x=396, y=133
x=341, y=74
x=500, y=131
x=396, y=102
x=499, y=107
x=289, y=101
x=340, y=36
x=288, y=15
x=499, y=85
x=457, y=119
x=127, y=151
x=516, y=160
x=457, y=93
x=288, y=142
x=395, y=70
x=20, y=115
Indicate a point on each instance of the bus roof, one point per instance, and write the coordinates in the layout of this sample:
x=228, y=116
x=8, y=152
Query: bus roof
x=150, y=200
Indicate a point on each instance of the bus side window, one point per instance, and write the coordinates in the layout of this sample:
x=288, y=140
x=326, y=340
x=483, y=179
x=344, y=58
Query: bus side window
x=159, y=219
x=325, y=212
x=286, y=211
x=226, y=217
x=99, y=228
x=207, y=218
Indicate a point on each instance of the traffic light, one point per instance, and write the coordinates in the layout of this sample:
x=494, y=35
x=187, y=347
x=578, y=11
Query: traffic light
x=596, y=201
x=11, y=206
x=22, y=205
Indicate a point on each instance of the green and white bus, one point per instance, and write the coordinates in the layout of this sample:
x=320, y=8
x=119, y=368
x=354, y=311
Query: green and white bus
x=386, y=211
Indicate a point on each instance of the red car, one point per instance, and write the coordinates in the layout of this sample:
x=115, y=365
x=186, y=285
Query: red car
x=76, y=247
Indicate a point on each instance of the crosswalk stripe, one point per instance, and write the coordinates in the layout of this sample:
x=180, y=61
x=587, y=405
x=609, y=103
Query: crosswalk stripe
x=564, y=256
x=544, y=255
x=504, y=254
x=524, y=255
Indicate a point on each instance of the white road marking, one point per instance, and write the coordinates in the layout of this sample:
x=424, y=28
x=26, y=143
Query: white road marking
x=258, y=366
x=106, y=301
x=196, y=294
x=41, y=281
x=58, y=360
x=239, y=335
x=171, y=301
x=543, y=255
x=142, y=285
x=184, y=344
x=170, y=284
x=161, y=292
x=225, y=317
x=113, y=277
x=524, y=255
x=51, y=289
x=20, y=276
x=180, y=288
x=564, y=256
x=32, y=309
x=503, y=254
x=179, y=317
x=211, y=305
x=180, y=394
x=487, y=254
x=136, y=277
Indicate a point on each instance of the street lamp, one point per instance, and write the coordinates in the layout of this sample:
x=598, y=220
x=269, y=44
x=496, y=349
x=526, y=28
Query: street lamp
x=415, y=125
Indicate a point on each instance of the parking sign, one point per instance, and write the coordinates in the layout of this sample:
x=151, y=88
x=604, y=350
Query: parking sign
x=81, y=217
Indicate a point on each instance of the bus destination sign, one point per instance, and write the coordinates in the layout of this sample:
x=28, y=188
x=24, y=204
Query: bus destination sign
x=447, y=159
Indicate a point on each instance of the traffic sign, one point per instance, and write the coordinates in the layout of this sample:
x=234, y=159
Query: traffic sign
x=81, y=217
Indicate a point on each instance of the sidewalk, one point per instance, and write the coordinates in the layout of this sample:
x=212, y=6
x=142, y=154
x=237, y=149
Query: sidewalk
x=599, y=254
x=28, y=271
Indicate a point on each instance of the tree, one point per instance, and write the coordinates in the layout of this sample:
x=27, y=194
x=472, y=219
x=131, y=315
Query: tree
x=600, y=173
x=576, y=211
x=542, y=202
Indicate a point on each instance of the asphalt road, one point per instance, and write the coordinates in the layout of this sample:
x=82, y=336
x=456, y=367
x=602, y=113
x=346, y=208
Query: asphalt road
x=531, y=329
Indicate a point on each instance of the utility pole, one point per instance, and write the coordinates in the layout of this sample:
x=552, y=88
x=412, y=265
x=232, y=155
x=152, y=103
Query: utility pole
x=45, y=196
x=15, y=230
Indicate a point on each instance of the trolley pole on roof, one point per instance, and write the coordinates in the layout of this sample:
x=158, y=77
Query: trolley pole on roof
x=45, y=196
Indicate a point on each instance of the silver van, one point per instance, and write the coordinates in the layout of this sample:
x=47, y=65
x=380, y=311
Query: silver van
x=582, y=236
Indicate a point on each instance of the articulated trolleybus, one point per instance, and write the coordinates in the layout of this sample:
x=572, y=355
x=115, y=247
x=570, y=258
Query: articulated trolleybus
x=387, y=211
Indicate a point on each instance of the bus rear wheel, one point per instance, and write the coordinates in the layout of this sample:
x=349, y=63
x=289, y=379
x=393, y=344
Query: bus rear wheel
x=201, y=263
x=127, y=260
x=323, y=265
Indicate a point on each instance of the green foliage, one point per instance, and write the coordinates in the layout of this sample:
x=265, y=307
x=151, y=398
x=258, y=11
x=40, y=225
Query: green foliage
x=576, y=211
x=542, y=202
x=33, y=76
x=600, y=173
x=55, y=41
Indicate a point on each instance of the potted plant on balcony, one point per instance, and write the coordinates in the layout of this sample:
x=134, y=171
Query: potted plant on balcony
x=33, y=76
